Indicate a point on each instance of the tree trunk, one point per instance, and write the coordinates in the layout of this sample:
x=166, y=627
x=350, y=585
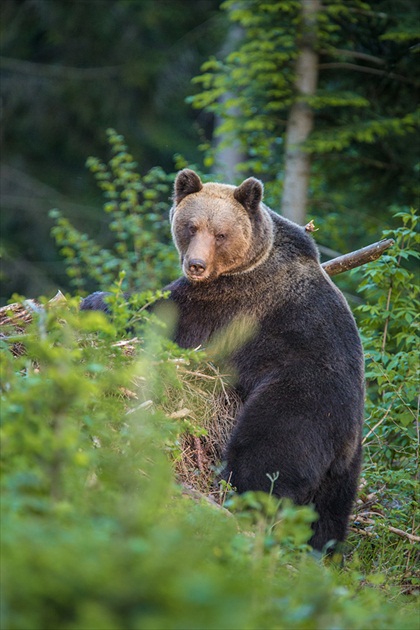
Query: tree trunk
x=228, y=156
x=300, y=121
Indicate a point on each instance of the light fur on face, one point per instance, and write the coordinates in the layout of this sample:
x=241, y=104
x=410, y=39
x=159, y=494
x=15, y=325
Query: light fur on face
x=212, y=227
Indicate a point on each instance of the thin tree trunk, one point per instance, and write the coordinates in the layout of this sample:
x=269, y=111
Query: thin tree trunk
x=300, y=121
x=228, y=156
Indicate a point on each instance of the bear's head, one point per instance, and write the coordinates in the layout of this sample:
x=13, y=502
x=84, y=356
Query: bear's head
x=219, y=229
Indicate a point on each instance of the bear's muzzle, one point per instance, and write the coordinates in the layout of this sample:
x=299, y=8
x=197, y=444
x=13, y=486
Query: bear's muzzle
x=196, y=268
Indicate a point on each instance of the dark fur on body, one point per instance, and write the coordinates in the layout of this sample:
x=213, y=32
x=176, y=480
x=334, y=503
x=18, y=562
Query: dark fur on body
x=300, y=372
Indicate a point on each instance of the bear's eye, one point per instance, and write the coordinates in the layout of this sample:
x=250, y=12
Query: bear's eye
x=192, y=229
x=220, y=237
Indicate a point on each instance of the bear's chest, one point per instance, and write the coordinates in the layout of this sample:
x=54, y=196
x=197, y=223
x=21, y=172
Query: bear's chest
x=233, y=309
x=200, y=320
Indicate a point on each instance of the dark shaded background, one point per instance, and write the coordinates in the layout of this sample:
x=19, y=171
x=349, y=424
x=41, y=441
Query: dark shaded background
x=69, y=70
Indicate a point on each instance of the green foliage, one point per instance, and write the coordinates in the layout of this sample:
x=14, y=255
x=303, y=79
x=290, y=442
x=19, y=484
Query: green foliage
x=142, y=255
x=369, y=132
x=78, y=70
x=389, y=323
x=280, y=521
x=257, y=78
x=95, y=533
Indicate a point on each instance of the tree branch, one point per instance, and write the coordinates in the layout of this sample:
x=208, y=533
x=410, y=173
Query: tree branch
x=356, y=259
x=364, y=520
x=343, y=65
x=16, y=313
x=353, y=53
x=57, y=71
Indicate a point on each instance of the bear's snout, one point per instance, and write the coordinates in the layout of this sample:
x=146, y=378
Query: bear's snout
x=196, y=267
x=198, y=260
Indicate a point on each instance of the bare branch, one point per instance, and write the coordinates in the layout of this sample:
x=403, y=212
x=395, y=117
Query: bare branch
x=363, y=520
x=342, y=65
x=57, y=71
x=403, y=534
x=353, y=53
x=357, y=258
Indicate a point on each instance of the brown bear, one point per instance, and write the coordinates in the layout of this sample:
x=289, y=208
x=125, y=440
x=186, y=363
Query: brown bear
x=298, y=367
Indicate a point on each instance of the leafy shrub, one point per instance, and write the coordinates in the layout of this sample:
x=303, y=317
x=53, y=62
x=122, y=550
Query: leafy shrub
x=138, y=208
x=389, y=324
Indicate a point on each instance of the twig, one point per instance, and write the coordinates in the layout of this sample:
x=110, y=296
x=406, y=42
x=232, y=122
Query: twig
x=390, y=528
x=199, y=453
x=403, y=534
x=388, y=302
x=373, y=429
x=199, y=496
x=354, y=54
x=147, y=404
x=363, y=532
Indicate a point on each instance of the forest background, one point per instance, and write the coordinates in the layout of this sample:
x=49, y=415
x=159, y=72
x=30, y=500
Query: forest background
x=102, y=101
x=70, y=70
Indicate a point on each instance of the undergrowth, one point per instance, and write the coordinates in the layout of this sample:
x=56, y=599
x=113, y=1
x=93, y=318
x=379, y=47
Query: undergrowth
x=97, y=531
x=389, y=324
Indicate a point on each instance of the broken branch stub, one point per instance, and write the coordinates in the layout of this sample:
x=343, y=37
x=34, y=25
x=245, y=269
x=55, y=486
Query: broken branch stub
x=356, y=259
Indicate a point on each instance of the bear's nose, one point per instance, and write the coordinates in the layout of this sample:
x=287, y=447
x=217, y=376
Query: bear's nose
x=197, y=267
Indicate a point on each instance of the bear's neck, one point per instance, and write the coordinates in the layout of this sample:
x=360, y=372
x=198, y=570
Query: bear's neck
x=257, y=261
x=262, y=242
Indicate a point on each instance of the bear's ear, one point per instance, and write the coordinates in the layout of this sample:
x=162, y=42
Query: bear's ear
x=249, y=194
x=186, y=183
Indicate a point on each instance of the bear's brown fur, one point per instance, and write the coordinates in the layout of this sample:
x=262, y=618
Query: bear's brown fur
x=298, y=367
